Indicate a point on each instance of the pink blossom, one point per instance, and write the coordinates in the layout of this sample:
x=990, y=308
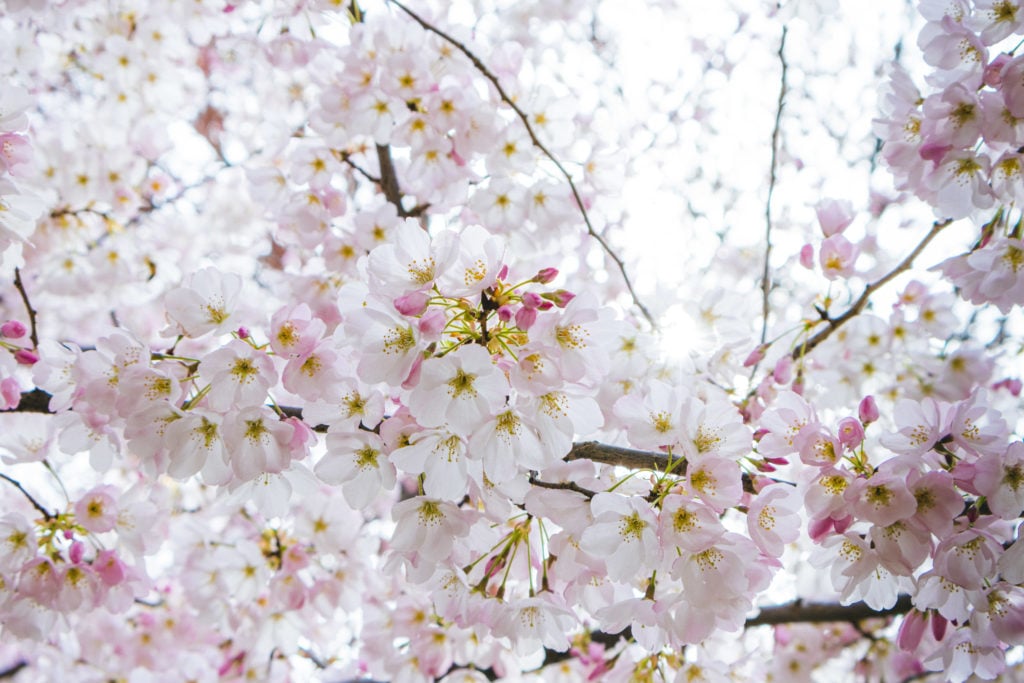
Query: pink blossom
x=807, y=256
x=851, y=432
x=204, y=303
x=97, y=510
x=461, y=389
x=624, y=534
x=834, y=216
x=1000, y=478
x=773, y=518
x=837, y=257
x=882, y=499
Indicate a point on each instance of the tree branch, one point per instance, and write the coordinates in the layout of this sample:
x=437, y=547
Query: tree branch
x=489, y=75
x=822, y=612
x=766, y=280
x=858, y=306
x=35, y=503
x=796, y=612
x=20, y=286
x=389, y=179
x=12, y=671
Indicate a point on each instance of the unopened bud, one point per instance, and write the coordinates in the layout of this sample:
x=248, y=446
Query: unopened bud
x=412, y=304
x=12, y=329
x=26, y=357
x=756, y=356
x=559, y=297
x=243, y=332
x=783, y=371
x=531, y=300
x=76, y=552
x=545, y=275
x=525, y=318
x=868, y=410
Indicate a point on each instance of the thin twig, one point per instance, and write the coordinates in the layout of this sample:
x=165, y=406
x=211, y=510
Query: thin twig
x=563, y=485
x=854, y=310
x=20, y=286
x=489, y=75
x=35, y=503
x=12, y=670
x=766, y=279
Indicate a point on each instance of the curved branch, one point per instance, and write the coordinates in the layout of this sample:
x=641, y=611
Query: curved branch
x=20, y=286
x=35, y=503
x=858, y=306
x=766, y=280
x=490, y=76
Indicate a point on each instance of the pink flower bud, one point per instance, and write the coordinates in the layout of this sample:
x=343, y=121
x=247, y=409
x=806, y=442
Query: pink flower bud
x=503, y=273
x=545, y=275
x=756, y=356
x=12, y=329
x=559, y=297
x=842, y=524
x=807, y=256
x=532, y=300
x=938, y=626
x=431, y=325
x=301, y=436
x=505, y=313
x=525, y=318
x=934, y=152
x=783, y=371
x=868, y=410
x=820, y=528
x=26, y=357
x=413, y=303
x=912, y=630
x=243, y=332
x=834, y=216
x=993, y=74
x=851, y=432
x=76, y=552
x=10, y=393
x=414, y=374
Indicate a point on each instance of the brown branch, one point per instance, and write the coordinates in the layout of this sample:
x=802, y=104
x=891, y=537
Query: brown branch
x=20, y=286
x=11, y=671
x=565, y=486
x=490, y=76
x=766, y=280
x=860, y=303
x=35, y=401
x=795, y=612
x=822, y=612
x=35, y=503
x=389, y=179
x=616, y=455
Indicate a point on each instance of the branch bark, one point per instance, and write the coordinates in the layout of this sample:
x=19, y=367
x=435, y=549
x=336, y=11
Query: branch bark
x=20, y=286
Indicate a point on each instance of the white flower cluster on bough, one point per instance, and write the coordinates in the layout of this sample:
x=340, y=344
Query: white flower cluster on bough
x=318, y=360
